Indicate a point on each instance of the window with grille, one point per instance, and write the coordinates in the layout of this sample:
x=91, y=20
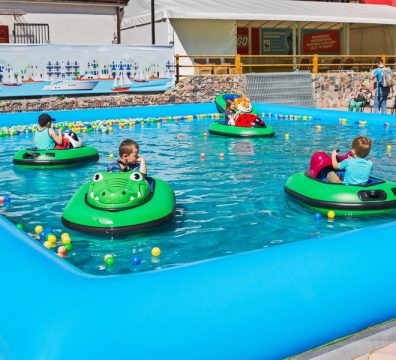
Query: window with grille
x=31, y=33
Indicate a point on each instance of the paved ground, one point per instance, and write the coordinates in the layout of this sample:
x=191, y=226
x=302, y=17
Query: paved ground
x=378, y=343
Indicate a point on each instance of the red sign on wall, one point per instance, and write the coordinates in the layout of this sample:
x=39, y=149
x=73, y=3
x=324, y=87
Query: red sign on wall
x=243, y=41
x=319, y=42
x=4, y=35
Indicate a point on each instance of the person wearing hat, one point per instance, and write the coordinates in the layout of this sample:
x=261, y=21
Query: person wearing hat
x=45, y=137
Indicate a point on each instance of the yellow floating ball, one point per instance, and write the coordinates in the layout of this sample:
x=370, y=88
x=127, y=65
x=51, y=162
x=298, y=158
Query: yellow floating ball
x=51, y=238
x=111, y=156
x=65, y=236
x=388, y=147
x=48, y=244
x=286, y=136
x=156, y=251
x=38, y=229
x=331, y=214
x=66, y=240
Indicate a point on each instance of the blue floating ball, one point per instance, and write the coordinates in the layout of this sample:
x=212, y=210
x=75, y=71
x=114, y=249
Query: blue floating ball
x=136, y=260
x=42, y=235
x=7, y=199
x=318, y=216
x=48, y=230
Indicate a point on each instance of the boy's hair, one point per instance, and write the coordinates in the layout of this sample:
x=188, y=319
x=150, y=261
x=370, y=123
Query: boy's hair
x=378, y=60
x=127, y=147
x=228, y=104
x=361, y=146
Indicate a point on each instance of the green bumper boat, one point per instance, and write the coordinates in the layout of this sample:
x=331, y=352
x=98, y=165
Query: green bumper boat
x=54, y=158
x=375, y=197
x=119, y=202
x=247, y=124
x=312, y=189
x=239, y=131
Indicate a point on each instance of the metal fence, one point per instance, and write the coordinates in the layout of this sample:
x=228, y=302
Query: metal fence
x=31, y=33
x=242, y=64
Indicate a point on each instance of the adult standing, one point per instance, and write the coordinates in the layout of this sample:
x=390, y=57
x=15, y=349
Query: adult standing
x=381, y=92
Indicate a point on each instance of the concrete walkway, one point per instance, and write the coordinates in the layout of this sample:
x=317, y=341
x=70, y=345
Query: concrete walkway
x=377, y=343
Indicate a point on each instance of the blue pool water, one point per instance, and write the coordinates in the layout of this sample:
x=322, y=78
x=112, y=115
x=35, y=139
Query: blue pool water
x=223, y=205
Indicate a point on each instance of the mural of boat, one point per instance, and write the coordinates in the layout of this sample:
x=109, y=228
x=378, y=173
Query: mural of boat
x=141, y=76
x=121, y=83
x=87, y=76
x=12, y=80
x=70, y=84
x=12, y=84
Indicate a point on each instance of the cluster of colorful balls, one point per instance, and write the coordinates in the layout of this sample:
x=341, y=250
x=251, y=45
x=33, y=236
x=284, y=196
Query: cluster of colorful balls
x=213, y=116
x=330, y=215
x=294, y=117
x=343, y=121
x=50, y=241
x=103, y=126
x=5, y=200
x=109, y=259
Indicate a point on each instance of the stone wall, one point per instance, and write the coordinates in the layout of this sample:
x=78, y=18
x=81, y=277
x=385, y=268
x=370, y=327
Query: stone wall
x=330, y=90
x=333, y=90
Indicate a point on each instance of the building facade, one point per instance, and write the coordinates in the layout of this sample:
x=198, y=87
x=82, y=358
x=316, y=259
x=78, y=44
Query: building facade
x=61, y=21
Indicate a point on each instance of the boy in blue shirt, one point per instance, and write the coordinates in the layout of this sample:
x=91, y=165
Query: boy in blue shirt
x=357, y=168
x=45, y=138
x=129, y=158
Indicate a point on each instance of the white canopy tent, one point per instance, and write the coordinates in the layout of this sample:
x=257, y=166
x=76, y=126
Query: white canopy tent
x=259, y=10
x=209, y=27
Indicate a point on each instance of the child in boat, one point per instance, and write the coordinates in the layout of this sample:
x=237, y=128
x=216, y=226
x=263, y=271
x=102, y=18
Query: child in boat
x=229, y=113
x=45, y=138
x=129, y=158
x=357, y=168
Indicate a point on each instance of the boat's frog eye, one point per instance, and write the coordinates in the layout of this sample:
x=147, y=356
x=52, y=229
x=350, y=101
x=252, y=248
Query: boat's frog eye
x=97, y=177
x=136, y=176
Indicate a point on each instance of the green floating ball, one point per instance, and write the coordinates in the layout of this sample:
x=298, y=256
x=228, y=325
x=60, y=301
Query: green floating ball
x=110, y=261
x=68, y=246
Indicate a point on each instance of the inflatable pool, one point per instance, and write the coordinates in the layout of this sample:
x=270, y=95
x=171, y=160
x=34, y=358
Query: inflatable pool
x=267, y=304
x=118, y=203
x=54, y=159
x=270, y=303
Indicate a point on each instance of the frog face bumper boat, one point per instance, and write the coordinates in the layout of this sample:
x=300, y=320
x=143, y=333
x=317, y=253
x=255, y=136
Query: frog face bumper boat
x=119, y=202
x=312, y=189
